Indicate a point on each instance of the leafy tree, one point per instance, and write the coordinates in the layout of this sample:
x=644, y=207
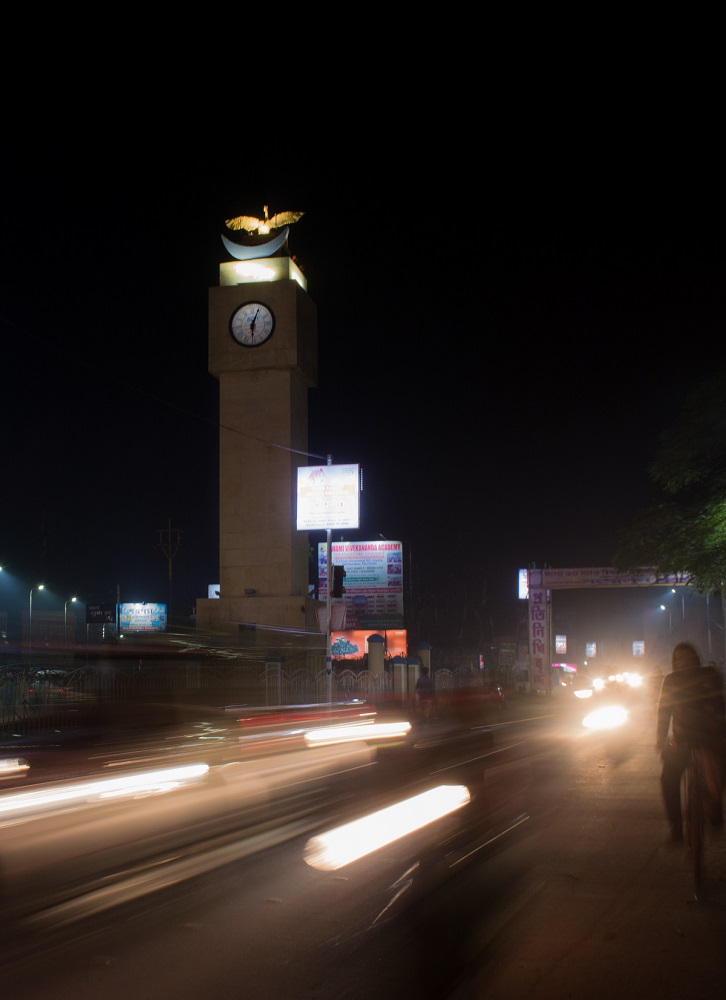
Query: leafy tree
x=686, y=531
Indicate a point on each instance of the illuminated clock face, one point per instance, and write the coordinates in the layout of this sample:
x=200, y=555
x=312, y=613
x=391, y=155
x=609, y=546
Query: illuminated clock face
x=252, y=324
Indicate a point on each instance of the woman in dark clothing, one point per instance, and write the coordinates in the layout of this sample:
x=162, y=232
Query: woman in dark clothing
x=691, y=708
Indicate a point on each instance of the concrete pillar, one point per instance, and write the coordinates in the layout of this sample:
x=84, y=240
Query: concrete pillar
x=399, y=677
x=376, y=649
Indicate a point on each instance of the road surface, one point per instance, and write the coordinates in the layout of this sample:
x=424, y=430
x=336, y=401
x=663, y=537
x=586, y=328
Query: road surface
x=581, y=901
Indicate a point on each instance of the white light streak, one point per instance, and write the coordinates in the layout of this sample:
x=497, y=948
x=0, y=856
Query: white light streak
x=352, y=841
x=327, y=735
x=12, y=766
x=59, y=795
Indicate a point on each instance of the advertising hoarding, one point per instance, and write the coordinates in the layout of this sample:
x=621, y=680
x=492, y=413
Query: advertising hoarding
x=373, y=581
x=142, y=617
x=328, y=497
x=353, y=644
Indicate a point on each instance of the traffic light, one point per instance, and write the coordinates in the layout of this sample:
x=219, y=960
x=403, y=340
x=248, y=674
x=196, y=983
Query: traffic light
x=338, y=575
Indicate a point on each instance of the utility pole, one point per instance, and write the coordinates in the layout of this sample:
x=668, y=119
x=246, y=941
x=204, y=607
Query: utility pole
x=328, y=610
x=169, y=542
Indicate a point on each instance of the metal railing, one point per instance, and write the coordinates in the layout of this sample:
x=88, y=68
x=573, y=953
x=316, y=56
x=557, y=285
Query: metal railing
x=38, y=699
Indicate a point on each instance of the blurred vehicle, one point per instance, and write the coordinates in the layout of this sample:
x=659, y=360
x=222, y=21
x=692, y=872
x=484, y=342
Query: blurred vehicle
x=53, y=686
x=470, y=706
x=71, y=847
x=625, y=685
x=98, y=840
x=272, y=729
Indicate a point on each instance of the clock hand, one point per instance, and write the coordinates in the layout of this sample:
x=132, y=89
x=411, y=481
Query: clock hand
x=252, y=323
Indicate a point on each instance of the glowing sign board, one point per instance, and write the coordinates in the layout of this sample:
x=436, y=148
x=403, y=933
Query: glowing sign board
x=142, y=617
x=353, y=644
x=328, y=497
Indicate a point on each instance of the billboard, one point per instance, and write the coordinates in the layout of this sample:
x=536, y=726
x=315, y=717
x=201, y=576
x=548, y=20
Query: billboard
x=328, y=497
x=373, y=581
x=353, y=644
x=142, y=617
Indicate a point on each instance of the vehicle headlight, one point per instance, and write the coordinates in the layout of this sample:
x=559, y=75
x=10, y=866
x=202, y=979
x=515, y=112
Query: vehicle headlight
x=610, y=717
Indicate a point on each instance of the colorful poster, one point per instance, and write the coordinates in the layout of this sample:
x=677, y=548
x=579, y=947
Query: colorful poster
x=373, y=581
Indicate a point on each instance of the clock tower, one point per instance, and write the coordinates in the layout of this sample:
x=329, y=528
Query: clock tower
x=263, y=351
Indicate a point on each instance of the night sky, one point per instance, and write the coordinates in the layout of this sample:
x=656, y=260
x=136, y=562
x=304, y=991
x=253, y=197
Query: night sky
x=499, y=348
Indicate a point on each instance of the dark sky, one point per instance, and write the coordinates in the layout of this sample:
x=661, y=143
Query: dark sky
x=500, y=345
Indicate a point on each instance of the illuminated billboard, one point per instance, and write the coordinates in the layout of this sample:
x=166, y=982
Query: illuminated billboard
x=373, y=581
x=328, y=497
x=142, y=617
x=353, y=644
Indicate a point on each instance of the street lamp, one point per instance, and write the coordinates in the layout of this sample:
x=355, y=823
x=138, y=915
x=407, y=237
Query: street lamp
x=683, y=608
x=670, y=618
x=30, y=622
x=71, y=600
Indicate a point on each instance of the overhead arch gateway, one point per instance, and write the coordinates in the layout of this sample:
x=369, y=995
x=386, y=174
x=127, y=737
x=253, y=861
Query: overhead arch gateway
x=541, y=581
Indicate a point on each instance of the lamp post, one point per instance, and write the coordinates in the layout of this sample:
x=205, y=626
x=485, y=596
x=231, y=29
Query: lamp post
x=30, y=623
x=683, y=610
x=71, y=600
x=670, y=618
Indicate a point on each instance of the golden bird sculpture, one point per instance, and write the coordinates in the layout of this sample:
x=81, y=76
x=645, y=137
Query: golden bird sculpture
x=253, y=225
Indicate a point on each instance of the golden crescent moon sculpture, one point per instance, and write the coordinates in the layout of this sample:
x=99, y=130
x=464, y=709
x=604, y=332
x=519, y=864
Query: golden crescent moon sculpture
x=247, y=252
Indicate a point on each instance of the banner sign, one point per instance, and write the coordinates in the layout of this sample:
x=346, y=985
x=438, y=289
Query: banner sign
x=560, y=579
x=539, y=641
